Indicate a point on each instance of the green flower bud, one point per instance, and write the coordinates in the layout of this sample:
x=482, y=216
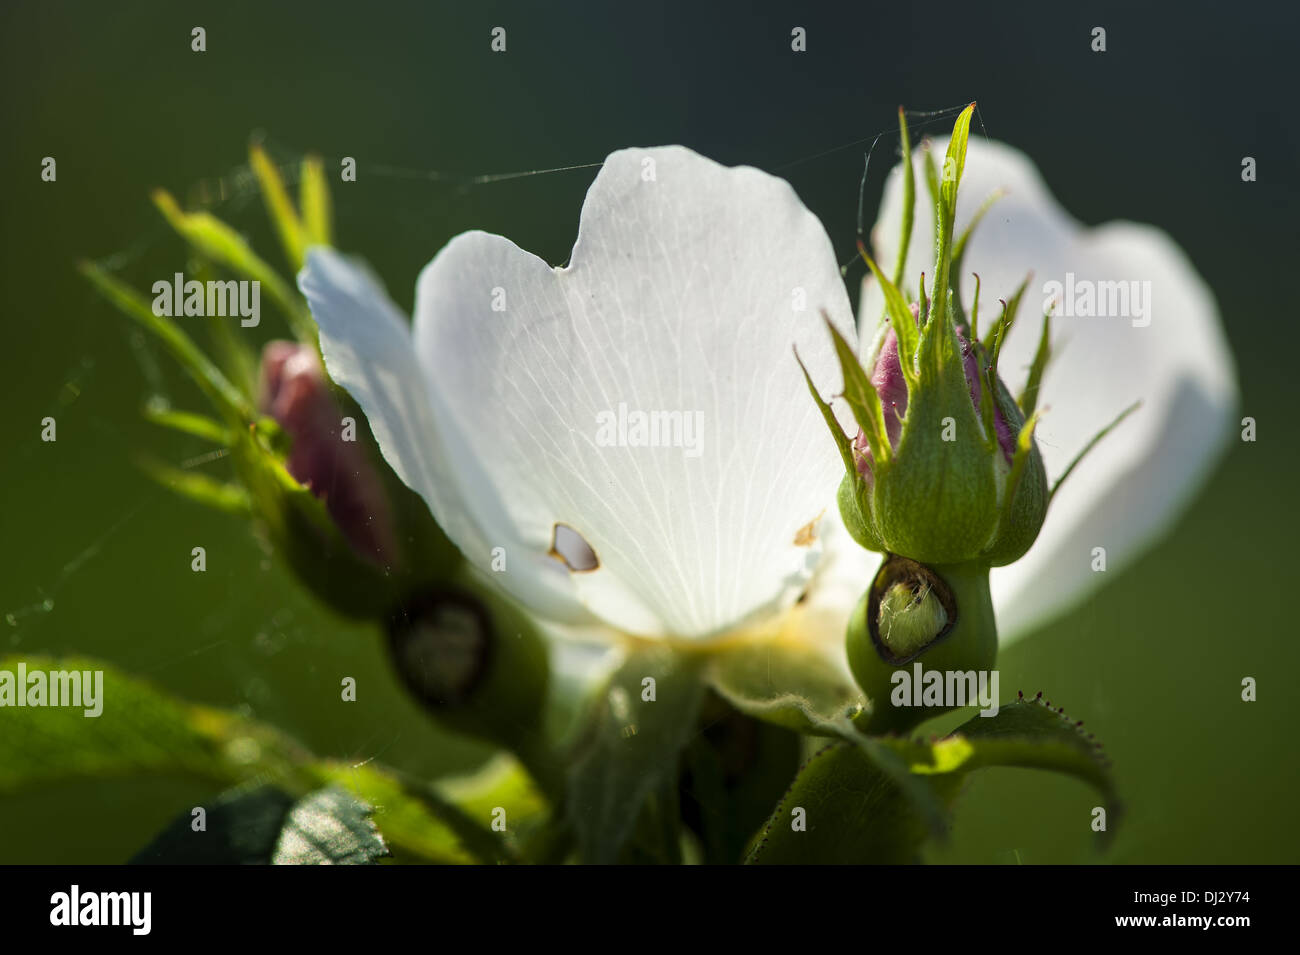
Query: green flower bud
x=943, y=468
x=476, y=663
x=951, y=489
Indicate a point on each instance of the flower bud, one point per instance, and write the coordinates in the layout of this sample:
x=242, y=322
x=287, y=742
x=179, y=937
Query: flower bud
x=476, y=663
x=943, y=468
x=887, y=378
x=942, y=497
x=331, y=464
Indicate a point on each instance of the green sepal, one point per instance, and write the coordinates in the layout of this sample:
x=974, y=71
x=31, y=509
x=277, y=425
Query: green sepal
x=1002, y=327
x=937, y=502
x=900, y=317
x=946, y=208
x=233, y=352
x=909, y=198
x=217, y=241
x=861, y=398
x=314, y=199
x=187, y=422
x=931, y=177
x=959, y=255
x=228, y=399
x=854, y=501
x=1029, y=397
x=1025, y=494
x=199, y=487
x=842, y=443
x=279, y=207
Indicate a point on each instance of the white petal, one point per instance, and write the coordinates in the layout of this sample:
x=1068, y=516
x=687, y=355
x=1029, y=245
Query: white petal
x=367, y=347
x=1137, y=481
x=367, y=350
x=844, y=575
x=681, y=297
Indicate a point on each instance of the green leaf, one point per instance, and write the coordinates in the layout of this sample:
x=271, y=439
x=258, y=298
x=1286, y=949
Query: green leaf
x=657, y=837
x=631, y=747
x=144, y=732
x=1026, y=733
x=240, y=828
x=267, y=827
x=139, y=731
x=844, y=809
x=329, y=827
x=502, y=783
x=415, y=816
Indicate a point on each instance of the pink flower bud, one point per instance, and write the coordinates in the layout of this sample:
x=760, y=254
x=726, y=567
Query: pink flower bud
x=890, y=384
x=970, y=365
x=296, y=393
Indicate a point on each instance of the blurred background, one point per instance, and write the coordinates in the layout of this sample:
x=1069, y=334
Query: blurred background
x=96, y=557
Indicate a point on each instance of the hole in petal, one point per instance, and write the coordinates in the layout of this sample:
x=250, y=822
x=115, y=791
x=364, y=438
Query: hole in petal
x=571, y=548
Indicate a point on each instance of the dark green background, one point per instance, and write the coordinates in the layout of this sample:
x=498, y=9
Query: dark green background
x=96, y=559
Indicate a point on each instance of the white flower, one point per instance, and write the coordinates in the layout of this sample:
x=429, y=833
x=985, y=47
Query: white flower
x=1167, y=350
x=687, y=288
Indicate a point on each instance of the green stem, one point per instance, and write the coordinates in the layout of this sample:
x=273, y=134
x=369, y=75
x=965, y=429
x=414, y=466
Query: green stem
x=970, y=643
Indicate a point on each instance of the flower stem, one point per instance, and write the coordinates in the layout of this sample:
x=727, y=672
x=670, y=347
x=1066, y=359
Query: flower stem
x=915, y=620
